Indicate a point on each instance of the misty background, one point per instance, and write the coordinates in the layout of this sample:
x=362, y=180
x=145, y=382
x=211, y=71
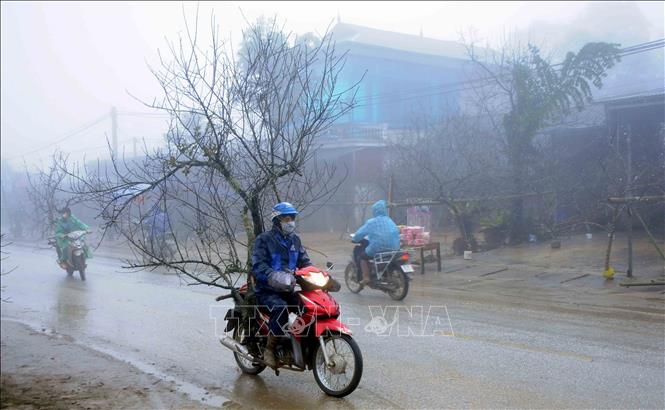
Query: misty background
x=65, y=64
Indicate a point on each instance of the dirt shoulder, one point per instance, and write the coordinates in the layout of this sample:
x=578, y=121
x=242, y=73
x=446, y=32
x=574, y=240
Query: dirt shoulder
x=49, y=371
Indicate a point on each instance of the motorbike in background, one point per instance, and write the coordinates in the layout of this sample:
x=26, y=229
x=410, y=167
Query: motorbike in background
x=75, y=252
x=390, y=272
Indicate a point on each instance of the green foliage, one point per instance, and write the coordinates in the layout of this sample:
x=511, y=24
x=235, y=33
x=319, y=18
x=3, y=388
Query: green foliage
x=539, y=92
x=497, y=218
x=464, y=209
x=495, y=226
x=542, y=91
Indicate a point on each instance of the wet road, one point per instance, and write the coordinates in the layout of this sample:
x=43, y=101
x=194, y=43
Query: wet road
x=467, y=353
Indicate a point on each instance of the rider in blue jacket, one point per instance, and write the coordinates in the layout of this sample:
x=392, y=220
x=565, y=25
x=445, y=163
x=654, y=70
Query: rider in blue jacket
x=276, y=254
x=159, y=225
x=382, y=235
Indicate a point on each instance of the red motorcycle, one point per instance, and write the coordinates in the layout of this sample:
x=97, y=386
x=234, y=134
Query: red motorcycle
x=316, y=340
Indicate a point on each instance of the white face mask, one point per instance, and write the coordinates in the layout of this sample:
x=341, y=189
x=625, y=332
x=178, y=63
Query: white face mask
x=288, y=227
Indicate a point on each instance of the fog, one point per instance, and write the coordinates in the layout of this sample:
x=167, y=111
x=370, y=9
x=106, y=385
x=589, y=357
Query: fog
x=494, y=166
x=65, y=64
x=73, y=74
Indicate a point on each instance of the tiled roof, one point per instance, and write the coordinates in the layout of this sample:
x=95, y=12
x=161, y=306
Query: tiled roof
x=344, y=32
x=656, y=92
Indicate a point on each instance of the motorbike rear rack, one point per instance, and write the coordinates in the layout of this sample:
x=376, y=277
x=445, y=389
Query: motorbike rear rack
x=383, y=259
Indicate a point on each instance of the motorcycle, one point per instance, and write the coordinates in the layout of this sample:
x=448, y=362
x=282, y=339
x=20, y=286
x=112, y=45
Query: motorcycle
x=316, y=340
x=390, y=272
x=75, y=252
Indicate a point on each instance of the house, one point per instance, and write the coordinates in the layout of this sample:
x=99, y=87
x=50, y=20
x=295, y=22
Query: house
x=404, y=77
x=402, y=74
x=597, y=145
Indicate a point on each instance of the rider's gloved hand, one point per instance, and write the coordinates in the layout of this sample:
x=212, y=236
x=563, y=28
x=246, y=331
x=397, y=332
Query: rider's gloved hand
x=282, y=281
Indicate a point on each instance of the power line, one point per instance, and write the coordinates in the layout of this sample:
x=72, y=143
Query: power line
x=142, y=114
x=640, y=48
x=635, y=49
x=371, y=99
x=446, y=88
x=64, y=138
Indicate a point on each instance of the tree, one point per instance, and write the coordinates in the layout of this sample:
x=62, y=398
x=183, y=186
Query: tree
x=448, y=160
x=537, y=92
x=44, y=189
x=241, y=137
x=4, y=244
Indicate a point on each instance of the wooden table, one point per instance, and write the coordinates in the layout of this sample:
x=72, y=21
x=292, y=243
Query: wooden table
x=432, y=246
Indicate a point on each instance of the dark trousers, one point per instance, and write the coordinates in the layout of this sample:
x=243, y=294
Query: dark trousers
x=279, y=304
x=358, y=255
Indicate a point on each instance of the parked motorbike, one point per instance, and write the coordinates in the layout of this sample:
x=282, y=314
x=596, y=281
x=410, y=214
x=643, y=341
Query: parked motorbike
x=75, y=252
x=390, y=272
x=316, y=340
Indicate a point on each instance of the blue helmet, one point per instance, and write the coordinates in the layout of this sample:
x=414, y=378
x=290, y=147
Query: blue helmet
x=283, y=208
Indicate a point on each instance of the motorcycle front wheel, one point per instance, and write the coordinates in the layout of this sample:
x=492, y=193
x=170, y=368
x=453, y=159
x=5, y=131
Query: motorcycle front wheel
x=79, y=263
x=343, y=377
x=246, y=366
x=351, y=278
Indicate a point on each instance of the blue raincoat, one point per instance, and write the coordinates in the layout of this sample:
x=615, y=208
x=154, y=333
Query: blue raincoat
x=158, y=223
x=381, y=232
x=274, y=251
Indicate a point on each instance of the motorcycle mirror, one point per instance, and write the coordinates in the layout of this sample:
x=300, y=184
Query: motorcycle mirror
x=329, y=265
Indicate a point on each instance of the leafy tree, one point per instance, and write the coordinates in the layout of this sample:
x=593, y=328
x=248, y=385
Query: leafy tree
x=535, y=92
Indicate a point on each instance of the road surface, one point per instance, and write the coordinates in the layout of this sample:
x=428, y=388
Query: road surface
x=475, y=350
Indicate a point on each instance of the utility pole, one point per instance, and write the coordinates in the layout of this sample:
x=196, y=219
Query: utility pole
x=629, y=184
x=114, y=131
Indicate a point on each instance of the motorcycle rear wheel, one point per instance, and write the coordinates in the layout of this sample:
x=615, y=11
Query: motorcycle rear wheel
x=342, y=349
x=350, y=277
x=244, y=365
x=401, y=283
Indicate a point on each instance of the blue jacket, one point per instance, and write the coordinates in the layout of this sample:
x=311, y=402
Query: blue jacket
x=274, y=251
x=158, y=223
x=381, y=231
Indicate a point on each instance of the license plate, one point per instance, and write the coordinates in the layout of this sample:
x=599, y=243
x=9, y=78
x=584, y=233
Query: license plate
x=407, y=268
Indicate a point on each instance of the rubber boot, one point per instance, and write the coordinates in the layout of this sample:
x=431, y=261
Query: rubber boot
x=269, y=352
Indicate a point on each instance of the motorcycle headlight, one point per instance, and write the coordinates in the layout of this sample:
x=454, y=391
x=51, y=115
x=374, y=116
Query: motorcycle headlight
x=317, y=279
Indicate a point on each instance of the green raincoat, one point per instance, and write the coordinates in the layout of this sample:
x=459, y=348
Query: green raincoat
x=63, y=227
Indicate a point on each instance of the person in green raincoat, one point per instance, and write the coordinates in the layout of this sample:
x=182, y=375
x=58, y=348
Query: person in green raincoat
x=64, y=225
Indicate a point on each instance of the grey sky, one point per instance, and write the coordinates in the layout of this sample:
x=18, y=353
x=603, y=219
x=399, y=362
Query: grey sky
x=65, y=64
